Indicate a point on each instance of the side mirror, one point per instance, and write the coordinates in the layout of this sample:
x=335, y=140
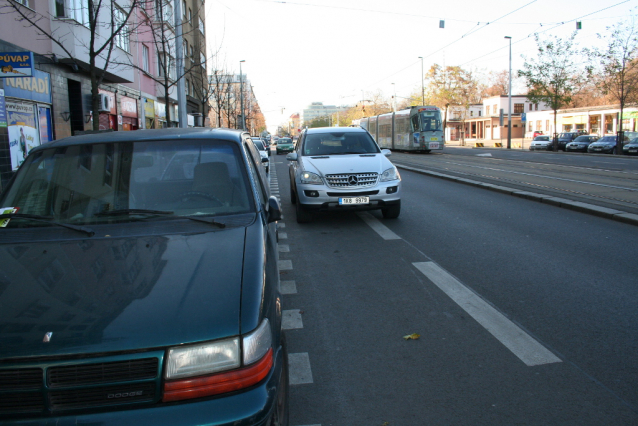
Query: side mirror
x=274, y=209
x=292, y=156
x=386, y=152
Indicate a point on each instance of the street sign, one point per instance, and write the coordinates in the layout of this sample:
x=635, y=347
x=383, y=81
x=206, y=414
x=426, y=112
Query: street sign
x=523, y=117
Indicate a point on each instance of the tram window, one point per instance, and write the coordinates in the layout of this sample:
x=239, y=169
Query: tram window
x=415, y=123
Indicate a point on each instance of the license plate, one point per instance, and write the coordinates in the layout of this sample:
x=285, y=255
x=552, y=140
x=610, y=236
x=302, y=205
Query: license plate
x=434, y=145
x=354, y=200
x=434, y=139
x=633, y=150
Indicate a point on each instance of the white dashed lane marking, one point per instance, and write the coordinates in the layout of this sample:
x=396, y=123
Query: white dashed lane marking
x=524, y=346
x=291, y=319
x=285, y=265
x=283, y=236
x=284, y=248
x=299, y=368
x=288, y=287
x=281, y=225
x=378, y=227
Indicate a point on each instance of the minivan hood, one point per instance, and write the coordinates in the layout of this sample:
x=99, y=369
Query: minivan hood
x=348, y=163
x=119, y=294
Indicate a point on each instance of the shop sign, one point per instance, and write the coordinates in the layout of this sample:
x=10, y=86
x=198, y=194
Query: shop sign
x=129, y=107
x=149, y=108
x=36, y=88
x=630, y=114
x=3, y=110
x=16, y=64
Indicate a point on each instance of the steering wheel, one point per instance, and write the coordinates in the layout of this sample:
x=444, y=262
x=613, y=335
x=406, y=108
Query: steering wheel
x=197, y=194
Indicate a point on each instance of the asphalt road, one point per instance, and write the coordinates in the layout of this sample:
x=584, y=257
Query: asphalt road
x=526, y=312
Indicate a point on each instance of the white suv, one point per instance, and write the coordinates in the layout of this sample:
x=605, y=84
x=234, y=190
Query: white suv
x=342, y=168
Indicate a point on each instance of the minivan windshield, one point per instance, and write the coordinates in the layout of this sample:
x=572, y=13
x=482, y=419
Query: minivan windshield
x=90, y=183
x=339, y=143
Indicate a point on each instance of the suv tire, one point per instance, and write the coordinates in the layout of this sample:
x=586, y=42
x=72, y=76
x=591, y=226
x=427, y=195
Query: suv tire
x=391, y=212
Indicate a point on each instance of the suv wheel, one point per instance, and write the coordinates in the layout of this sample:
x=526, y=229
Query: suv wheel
x=391, y=212
x=303, y=215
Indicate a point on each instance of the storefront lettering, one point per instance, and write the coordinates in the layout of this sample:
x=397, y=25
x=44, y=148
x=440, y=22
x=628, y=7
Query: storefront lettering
x=18, y=58
x=38, y=85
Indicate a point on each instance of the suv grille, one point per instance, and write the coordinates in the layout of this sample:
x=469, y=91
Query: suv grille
x=352, y=180
x=77, y=386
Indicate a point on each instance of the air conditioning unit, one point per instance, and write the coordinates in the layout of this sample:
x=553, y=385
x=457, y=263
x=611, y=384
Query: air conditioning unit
x=105, y=103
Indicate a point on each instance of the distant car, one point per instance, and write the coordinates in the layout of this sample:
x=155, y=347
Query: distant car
x=342, y=168
x=151, y=257
x=565, y=138
x=606, y=144
x=262, y=151
x=537, y=133
x=631, y=148
x=581, y=143
x=541, y=143
x=284, y=145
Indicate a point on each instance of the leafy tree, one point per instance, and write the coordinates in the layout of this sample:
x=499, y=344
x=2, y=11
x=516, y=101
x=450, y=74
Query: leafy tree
x=618, y=67
x=555, y=75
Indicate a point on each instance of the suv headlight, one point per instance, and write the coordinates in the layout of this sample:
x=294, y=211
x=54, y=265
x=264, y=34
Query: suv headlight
x=312, y=178
x=390, y=174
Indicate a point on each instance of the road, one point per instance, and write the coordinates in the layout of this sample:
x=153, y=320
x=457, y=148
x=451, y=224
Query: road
x=525, y=311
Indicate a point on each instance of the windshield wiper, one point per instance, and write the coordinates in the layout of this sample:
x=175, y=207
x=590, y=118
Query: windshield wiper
x=47, y=219
x=133, y=211
x=159, y=213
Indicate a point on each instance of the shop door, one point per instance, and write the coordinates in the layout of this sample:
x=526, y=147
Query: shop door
x=46, y=132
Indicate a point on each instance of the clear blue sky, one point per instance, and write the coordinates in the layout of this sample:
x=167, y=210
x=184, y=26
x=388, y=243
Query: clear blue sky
x=336, y=51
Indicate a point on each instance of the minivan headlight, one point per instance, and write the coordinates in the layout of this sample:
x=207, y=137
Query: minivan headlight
x=197, y=360
x=312, y=178
x=390, y=174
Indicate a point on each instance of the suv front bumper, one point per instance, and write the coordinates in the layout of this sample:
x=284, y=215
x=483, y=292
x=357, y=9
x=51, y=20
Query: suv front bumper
x=323, y=197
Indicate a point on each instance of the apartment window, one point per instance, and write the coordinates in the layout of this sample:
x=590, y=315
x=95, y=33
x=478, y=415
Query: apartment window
x=471, y=113
x=538, y=124
x=547, y=125
x=201, y=25
x=190, y=15
x=146, y=59
x=192, y=53
x=166, y=63
x=530, y=107
x=530, y=126
x=535, y=107
x=73, y=9
x=184, y=8
x=519, y=108
x=122, y=40
x=494, y=109
x=188, y=87
x=185, y=49
x=202, y=59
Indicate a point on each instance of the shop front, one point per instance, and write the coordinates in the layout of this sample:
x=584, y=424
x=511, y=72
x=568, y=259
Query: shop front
x=129, y=113
x=27, y=103
x=108, y=117
x=149, y=113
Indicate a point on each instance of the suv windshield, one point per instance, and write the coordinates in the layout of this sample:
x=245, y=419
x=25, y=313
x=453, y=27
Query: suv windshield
x=336, y=143
x=91, y=183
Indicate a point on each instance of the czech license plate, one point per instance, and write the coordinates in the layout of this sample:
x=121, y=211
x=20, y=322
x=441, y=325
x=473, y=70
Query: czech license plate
x=434, y=145
x=633, y=150
x=598, y=149
x=354, y=200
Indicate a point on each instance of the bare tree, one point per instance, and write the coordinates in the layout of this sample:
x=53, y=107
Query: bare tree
x=108, y=26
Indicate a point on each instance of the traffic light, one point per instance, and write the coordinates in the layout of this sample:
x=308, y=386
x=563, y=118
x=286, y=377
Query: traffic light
x=441, y=23
x=579, y=25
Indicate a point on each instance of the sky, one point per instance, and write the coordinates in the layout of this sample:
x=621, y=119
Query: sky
x=341, y=51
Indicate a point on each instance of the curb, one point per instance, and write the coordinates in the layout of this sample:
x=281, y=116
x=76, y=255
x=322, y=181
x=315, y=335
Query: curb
x=604, y=212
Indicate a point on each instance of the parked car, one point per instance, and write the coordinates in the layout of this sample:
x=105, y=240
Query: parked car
x=631, y=147
x=284, y=145
x=537, y=133
x=581, y=143
x=541, y=143
x=565, y=138
x=139, y=283
x=606, y=144
x=342, y=168
x=262, y=152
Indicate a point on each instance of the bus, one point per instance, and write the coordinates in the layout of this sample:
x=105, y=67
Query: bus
x=418, y=128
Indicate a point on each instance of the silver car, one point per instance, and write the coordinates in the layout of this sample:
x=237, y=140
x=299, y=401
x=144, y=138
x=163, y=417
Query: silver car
x=541, y=142
x=342, y=168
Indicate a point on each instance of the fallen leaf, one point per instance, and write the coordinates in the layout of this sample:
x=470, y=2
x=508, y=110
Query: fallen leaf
x=412, y=336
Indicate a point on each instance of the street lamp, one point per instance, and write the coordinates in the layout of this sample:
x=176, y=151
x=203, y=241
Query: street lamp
x=241, y=96
x=509, y=102
x=422, y=77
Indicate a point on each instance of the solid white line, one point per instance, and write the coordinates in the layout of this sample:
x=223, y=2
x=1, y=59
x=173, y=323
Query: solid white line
x=299, y=369
x=288, y=287
x=285, y=265
x=524, y=346
x=378, y=227
x=291, y=319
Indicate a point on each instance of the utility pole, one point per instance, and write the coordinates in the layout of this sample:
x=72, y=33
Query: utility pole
x=181, y=89
x=241, y=96
x=509, y=102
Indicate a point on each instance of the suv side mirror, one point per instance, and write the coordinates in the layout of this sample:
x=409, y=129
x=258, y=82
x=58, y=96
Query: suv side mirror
x=274, y=209
x=386, y=152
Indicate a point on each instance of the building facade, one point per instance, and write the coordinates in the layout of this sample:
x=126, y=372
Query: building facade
x=318, y=109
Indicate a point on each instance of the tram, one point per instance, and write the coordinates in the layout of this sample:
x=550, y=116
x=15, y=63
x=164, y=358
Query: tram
x=418, y=128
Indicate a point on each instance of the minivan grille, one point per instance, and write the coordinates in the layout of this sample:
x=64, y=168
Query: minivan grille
x=352, y=180
x=78, y=386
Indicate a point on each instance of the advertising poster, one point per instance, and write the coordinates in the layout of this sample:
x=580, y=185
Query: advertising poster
x=23, y=131
x=3, y=110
